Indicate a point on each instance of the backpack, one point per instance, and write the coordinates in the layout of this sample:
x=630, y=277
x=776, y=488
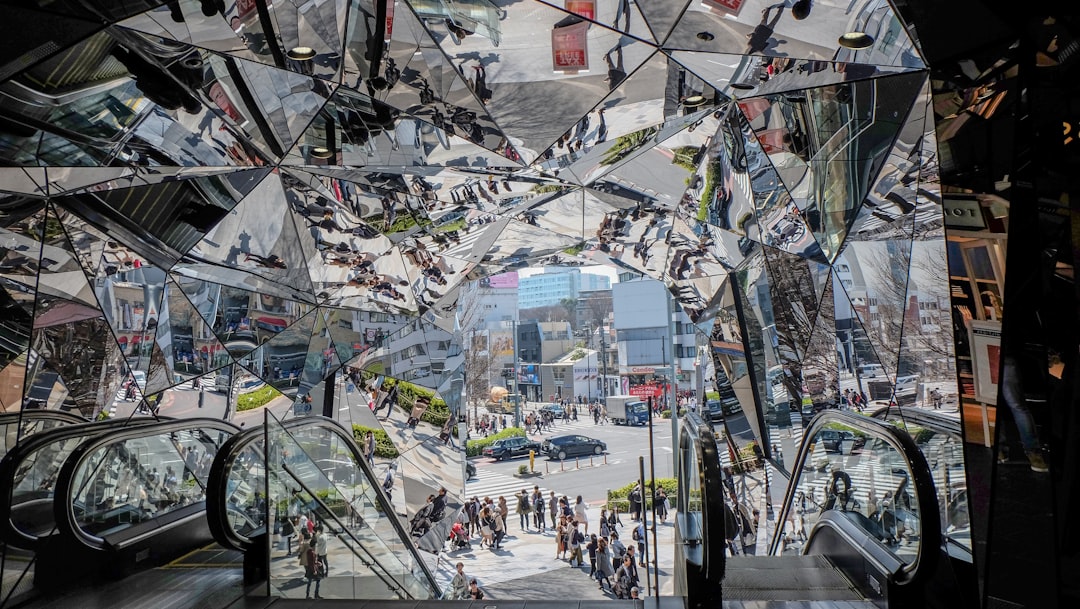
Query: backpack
x=539, y=505
x=523, y=504
x=578, y=537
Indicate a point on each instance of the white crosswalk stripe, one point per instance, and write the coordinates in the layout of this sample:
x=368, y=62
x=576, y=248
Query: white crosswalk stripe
x=492, y=484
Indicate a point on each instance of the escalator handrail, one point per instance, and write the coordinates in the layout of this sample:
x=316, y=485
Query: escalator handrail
x=217, y=515
x=63, y=504
x=930, y=420
x=9, y=466
x=712, y=495
x=921, y=480
x=36, y=413
x=216, y=490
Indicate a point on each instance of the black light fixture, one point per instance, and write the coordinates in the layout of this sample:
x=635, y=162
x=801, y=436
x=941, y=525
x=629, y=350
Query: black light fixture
x=856, y=41
x=301, y=54
x=321, y=152
x=694, y=101
x=742, y=86
x=706, y=36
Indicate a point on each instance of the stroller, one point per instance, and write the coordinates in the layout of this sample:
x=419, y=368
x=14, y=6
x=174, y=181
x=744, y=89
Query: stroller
x=459, y=537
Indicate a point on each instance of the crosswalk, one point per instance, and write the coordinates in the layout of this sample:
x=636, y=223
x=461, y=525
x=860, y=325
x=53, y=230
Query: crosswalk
x=487, y=483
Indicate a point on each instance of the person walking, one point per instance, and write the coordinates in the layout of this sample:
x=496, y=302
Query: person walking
x=605, y=526
x=618, y=550
x=624, y=578
x=369, y=448
x=560, y=539
x=581, y=513
x=487, y=527
x=635, y=503
x=288, y=529
x=605, y=566
x=576, y=539
x=592, y=547
x=639, y=537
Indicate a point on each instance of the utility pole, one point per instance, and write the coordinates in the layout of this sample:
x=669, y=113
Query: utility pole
x=603, y=365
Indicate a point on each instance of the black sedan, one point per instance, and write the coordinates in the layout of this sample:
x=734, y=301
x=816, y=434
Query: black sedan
x=561, y=447
x=511, y=447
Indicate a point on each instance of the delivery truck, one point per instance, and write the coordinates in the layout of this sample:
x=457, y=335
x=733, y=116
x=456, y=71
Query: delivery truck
x=627, y=410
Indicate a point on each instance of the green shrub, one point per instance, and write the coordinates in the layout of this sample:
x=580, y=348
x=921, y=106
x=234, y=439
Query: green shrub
x=523, y=468
x=254, y=399
x=665, y=414
x=619, y=497
x=437, y=412
x=474, y=448
x=384, y=447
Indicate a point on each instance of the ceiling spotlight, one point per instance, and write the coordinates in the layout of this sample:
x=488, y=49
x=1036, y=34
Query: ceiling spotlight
x=694, y=101
x=742, y=86
x=321, y=152
x=856, y=41
x=706, y=36
x=301, y=53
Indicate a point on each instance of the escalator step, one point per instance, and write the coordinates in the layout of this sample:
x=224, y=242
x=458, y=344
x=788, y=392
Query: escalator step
x=786, y=578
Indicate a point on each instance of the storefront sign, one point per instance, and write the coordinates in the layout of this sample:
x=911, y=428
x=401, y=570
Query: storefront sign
x=583, y=8
x=569, y=49
x=963, y=213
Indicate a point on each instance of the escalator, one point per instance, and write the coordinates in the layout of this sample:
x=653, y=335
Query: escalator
x=99, y=500
x=30, y=469
x=859, y=525
x=312, y=469
x=16, y=426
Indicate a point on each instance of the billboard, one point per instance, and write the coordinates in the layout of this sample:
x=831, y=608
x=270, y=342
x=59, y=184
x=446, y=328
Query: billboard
x=502, y=343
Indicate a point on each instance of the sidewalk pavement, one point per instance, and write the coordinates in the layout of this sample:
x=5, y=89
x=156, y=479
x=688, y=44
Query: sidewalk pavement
x=525, y=566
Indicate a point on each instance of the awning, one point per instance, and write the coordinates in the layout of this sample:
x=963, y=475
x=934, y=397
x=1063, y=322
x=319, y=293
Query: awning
x=273, y=321
x=123, y=340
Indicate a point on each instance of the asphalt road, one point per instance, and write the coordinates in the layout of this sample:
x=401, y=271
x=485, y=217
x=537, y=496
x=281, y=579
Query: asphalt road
x=625, y=446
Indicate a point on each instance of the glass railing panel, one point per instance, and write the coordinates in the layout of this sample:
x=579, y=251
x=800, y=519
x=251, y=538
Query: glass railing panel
x=124, y=483
x=862, y=477
x=944, y=453
x=23, y=425
x=378, y=566
x=246, y=488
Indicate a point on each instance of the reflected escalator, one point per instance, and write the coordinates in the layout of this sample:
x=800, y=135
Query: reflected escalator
x=124, y=498
x=859, y=524
x=313, y=470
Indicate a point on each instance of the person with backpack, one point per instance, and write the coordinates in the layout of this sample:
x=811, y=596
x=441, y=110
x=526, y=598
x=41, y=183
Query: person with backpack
x=576, y=539
x=618, y=550
x=538, y=508
x=524, y=509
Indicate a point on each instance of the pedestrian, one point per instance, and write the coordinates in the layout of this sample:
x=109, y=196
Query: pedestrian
x=605, y=568
x=475, y=593
x=581, y=513
x=661, y=502
x=553, y=509
x=639, y=537
x=288, y=529
x=613, y=518
x=935, y=398
x=369, y=448
x=499, y=528
x=605, y=526
x=624, y=578
x=459, y=586
x=309, y=559
x=576, y=539
x=320, y=551
x=538, y=508
x=560, y=539
x=618, y=550
x=524, y=509
x=592, y=546
x=487, y=527
x=635, y=502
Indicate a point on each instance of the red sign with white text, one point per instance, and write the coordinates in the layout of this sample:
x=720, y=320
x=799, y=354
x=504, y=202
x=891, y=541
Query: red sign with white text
x=569, y=49
x=583, y=8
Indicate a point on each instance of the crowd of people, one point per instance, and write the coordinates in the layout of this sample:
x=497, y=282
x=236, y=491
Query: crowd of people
x=612, y=564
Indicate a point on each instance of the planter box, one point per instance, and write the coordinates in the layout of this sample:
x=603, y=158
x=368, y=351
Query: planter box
x=528, y=475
